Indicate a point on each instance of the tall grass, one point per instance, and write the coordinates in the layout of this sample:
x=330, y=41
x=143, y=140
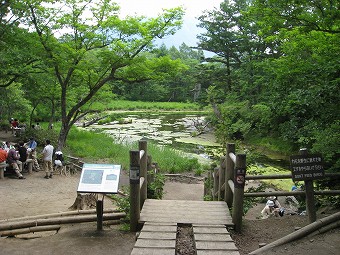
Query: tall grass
x=139, y=105
x=100, y=148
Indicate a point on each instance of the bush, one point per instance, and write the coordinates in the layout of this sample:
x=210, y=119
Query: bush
x=40, y=136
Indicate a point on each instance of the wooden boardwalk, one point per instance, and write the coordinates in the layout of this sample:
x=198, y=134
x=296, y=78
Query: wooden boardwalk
x=208, y=218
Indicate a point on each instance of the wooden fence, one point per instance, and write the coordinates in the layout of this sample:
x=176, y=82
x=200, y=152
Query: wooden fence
x=138, y=182
x=228, y=184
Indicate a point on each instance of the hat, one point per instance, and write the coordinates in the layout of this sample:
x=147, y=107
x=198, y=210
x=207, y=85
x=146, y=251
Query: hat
x=29, y=149
x=272, y=198
x=58, y=153
x=270, y=203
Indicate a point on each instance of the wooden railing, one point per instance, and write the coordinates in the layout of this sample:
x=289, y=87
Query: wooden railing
x=138, y=182
x=227, y=185
x=232, y=167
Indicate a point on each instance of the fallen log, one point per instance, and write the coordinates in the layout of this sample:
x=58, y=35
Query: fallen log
x=60, y=220
x=30, y=230
x=302, y=232
x=59, y=214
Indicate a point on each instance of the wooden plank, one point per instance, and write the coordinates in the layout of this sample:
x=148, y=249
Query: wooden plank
x=208, y=245
x=159, y=228
x=186, y=214
x=148, y=243
x=147, y=201
x=191, y=210
x=213, y=237
x=207, y=230
x=221, y=252
x=187, y=220
x=152, y=251
x=157, y=235
x=158, y=224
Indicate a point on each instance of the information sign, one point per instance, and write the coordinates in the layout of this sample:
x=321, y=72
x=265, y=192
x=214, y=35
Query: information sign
x=99, y=178
x=240, y=177
x=307, y=167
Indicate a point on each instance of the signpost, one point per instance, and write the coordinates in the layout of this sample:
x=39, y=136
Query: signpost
x=99, y=178
x=307, y=167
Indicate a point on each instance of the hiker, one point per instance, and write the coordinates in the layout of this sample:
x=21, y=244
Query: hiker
x=47, y=158
x=269, y=210
x=13, y=161
x=32, y=152
x=3, y=157
x=58, y=161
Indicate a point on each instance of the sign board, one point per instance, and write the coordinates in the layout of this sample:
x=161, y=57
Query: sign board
x=99, y=178
x=307, y=167
x=240, y=177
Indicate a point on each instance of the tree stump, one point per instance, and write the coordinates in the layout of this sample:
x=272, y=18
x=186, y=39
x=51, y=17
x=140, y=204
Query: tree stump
x=84, y=202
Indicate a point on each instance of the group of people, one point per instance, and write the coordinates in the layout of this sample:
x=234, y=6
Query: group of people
x=16, y=156
x=274, y=208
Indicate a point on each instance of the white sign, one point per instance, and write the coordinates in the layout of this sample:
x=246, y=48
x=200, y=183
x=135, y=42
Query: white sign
x=99, y=178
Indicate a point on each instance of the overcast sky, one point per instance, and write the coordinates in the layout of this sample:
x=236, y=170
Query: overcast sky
x=151, y=8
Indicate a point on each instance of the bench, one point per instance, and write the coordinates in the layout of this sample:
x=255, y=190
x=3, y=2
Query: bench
x=3, y=167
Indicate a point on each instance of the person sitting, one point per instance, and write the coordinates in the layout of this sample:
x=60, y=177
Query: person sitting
x=13, y=160
x=269, y=210
x=7, y=146
x=22, y=153
x=3, y=157
x=32, y=146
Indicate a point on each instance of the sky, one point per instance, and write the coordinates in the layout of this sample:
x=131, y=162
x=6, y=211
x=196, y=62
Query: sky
x=152, y=8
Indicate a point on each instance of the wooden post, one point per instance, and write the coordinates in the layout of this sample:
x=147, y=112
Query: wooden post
x=2, y=170
x=239, y=181
x=215, y=184
x=310, y=202
x=134, y=190
x=221, y=177
x=29, y=163
x=228, y=194
x=100, y=210
x=143, y=170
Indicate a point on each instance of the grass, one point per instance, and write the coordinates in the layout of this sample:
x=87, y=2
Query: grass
x=139, y=105
x=99, y=147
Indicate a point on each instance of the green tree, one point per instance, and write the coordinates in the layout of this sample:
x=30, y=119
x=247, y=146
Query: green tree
x=86, y=45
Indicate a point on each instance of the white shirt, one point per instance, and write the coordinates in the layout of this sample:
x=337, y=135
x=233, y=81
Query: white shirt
x=48, y=152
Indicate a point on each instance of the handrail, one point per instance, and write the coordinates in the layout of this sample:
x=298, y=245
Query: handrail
x=141, y=153
x=232, y=157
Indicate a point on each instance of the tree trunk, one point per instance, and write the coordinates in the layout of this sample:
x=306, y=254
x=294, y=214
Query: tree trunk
x=84, y=202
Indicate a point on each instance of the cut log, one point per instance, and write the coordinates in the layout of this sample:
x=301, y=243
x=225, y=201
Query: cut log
x=30, y=230
x=60, y=220
x=84, y=201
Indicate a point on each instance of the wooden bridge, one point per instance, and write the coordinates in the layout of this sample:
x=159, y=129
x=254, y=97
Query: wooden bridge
x=160, y=219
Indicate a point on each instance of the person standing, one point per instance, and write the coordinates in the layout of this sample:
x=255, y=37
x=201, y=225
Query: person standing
x=47, y=158
x=32, y=145
x=12, y=160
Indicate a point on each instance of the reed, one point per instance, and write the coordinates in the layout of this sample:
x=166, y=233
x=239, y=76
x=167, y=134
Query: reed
x=139, y=105
x=98, y=147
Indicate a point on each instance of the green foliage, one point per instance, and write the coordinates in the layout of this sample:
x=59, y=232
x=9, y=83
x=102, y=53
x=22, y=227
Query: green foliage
x=141, y=106
x=94, y=146
x=155, y=186
x=249, y=202
x=40, y=136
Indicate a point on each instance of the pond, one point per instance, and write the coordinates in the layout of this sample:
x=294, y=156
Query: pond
x=174, y=130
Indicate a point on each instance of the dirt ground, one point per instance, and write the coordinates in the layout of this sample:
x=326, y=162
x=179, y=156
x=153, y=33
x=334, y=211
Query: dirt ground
x=36, y=196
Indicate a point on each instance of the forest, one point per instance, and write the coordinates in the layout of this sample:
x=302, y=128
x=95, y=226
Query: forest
x=274, y=73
